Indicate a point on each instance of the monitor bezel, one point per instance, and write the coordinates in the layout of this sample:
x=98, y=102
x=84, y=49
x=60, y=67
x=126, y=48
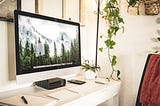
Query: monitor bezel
x=38, y=16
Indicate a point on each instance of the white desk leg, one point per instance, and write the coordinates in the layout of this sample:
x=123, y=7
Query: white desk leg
x=116, y=100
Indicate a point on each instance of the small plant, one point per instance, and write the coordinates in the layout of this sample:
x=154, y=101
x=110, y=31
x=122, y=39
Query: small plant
x=134, y=3
x=86, y=66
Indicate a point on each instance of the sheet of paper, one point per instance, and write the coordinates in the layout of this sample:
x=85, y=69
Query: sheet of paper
x=32, y=101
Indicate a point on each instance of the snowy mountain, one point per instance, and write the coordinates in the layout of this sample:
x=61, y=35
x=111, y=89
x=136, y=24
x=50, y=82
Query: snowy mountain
x=28, y=32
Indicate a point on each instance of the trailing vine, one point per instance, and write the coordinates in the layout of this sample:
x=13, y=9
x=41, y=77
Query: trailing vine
x=115, y=23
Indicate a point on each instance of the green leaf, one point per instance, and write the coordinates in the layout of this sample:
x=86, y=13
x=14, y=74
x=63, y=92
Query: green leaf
x=118, y=78
x=109, y=35
x=101, y=36
x=109, y=19
x=114, y=1
x=118, y=74
x=122, y=29
x=109, y=32
x=112, y=44
x=101, y=49
x=111, y=14
x=114, y=60
x=108, y=5
x=120, y=20
x=105, y=9
x=156, y=52
x=116, y=30
x=116, y=12
x=132, y=3
x=158, y=38
x=107, y=42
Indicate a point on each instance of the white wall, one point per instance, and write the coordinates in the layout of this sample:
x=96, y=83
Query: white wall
x=132, y=49
x=134, y=46
x=7, y=57
x=3, y=54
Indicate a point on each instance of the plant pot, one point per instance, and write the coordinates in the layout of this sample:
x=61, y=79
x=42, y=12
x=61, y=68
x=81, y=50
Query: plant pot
x=90, y=74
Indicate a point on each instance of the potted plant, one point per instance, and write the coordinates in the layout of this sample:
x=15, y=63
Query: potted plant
x=134, y=3
x=115, y=23
x=90, y=70
x=151, y=7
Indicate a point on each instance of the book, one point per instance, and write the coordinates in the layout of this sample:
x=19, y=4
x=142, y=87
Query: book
x=31, y=101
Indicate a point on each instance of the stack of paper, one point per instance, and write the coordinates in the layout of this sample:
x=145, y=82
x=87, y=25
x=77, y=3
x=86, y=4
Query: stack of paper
x=32, y=101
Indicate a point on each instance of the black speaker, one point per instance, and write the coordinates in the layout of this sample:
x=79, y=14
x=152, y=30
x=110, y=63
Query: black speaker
x=51, y=83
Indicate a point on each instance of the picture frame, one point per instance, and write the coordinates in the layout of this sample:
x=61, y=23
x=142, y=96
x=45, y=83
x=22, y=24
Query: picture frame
x=7, y=8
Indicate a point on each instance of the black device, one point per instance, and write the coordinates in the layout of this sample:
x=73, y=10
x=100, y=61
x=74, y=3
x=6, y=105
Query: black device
x=51, y=83
x=79, y=82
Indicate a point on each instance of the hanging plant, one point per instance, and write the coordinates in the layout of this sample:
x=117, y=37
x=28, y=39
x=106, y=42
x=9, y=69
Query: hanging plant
x=151, y=7
x=134, y=3
x=115, y=23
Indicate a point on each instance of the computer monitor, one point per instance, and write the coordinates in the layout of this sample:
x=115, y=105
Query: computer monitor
x=46, y=47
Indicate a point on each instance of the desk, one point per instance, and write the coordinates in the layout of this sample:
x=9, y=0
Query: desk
x=91, y=97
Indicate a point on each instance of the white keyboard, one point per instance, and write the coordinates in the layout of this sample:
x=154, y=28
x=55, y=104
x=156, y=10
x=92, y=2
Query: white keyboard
x=84, y=87
x=63, y=94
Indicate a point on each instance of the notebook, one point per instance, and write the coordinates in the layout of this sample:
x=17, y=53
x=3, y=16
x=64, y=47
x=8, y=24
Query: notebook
x=32, y=101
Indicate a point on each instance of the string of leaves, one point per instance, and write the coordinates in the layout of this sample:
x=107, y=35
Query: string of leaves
x=115, y=23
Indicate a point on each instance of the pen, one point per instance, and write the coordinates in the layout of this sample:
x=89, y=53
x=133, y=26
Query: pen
x=24, y=99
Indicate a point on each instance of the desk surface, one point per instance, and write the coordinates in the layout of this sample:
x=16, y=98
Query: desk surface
x=89, y=93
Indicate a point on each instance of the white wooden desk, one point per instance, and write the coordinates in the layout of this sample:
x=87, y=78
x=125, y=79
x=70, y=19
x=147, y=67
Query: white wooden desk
x=86, y=97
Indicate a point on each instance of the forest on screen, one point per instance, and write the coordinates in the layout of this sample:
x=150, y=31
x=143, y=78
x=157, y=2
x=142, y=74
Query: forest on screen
x=29, y=61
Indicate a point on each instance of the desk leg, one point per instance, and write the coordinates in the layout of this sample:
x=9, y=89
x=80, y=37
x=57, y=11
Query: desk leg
x=116, y=100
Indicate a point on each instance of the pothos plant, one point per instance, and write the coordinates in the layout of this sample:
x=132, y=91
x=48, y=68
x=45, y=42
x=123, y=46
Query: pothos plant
x=115, y=23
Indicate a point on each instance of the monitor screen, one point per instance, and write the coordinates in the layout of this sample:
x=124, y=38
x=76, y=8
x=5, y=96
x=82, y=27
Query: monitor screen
x=45, y=43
